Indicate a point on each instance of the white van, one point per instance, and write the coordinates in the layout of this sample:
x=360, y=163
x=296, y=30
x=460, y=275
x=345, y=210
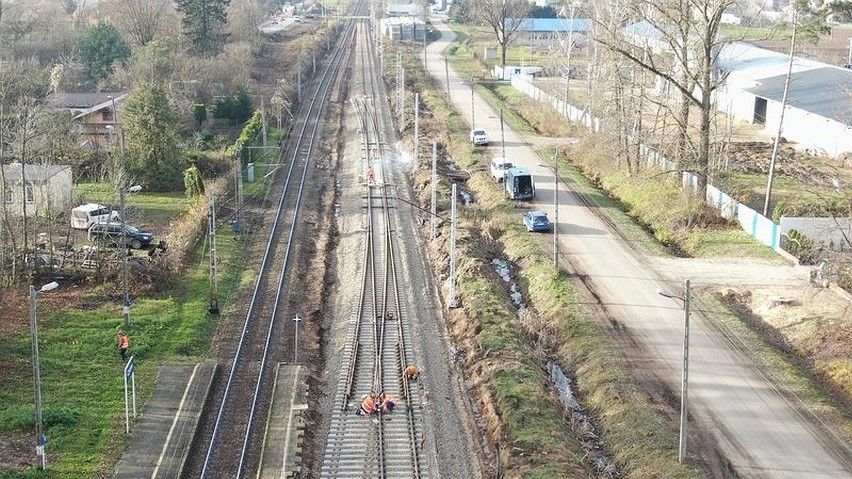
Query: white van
x=499, y=165
x=478, y=137
x=84, y=216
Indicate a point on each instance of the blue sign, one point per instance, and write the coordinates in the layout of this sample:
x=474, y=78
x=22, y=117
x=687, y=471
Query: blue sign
x=128, y=370
x=42, y=440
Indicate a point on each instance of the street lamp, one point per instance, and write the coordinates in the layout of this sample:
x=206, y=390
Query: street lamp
x=681, y=453
x=41, y=439
x=555, y=209
x=121, y=194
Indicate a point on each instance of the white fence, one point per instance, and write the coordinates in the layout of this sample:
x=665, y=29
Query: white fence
x=760, y=227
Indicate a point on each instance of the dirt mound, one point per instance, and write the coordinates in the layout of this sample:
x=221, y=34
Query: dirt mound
x=754, y=157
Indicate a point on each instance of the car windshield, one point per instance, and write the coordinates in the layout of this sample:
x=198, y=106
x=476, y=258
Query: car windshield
x=505, y=166
x=477, y=132
x=132, y=229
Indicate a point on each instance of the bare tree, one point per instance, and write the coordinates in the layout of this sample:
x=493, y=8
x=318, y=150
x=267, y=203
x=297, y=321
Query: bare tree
x=679, y=46
x=142, y=20
x=244, y=19
x=504, y=17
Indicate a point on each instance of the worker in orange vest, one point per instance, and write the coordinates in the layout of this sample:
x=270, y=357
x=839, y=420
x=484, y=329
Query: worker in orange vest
x=368, y=405
x=371, y=175
x=411, y=372
x=123, y=345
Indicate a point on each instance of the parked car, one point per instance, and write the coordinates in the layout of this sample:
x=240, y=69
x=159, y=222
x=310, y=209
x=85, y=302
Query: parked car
x=84, y=216
x=110, y=233
x=499, y=166
x=536, y=221
x=478, y=137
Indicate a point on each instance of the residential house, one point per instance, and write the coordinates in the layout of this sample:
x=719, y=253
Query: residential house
x=37, y=188
x=95, y=115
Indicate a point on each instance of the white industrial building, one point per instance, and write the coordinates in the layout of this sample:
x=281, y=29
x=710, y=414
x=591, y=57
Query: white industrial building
x=819, y=101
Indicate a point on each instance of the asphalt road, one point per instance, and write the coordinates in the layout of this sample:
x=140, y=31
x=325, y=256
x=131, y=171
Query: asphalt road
x=758, y=430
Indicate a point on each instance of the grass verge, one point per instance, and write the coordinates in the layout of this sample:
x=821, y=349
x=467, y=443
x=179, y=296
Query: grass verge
x=81, y=372
x=518, y=404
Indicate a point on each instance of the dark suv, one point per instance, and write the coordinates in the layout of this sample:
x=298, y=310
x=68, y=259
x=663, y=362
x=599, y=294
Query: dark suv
x=111, y=233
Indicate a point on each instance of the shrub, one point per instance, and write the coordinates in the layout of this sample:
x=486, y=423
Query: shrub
x=193, y=182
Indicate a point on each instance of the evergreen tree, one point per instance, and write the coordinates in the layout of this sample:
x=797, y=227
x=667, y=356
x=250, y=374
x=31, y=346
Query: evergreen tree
x=152, y=139
x=99, y=48
x=204, y=23
x=193, y=183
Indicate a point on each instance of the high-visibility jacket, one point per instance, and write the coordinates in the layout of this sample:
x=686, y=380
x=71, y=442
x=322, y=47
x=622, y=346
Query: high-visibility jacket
x=368, y=404
x=123, y=342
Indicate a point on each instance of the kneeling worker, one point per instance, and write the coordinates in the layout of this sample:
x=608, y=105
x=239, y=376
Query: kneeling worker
x=387, y=402
x=368, y=405
x=411, y=372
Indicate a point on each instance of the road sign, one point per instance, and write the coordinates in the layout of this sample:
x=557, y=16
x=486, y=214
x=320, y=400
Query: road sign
x=129, y=369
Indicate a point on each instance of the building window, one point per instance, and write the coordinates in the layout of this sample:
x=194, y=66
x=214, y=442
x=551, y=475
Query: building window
x=106, y=115
x=28, y=194
x=9, y=195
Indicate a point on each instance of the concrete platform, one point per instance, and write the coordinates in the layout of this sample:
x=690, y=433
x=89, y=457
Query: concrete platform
x=160, y=440
x=281, y=456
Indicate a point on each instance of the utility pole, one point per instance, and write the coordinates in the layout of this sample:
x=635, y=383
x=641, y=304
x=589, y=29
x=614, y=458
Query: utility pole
x=556, y=212
x=434, y=189
x=263, y=121
x=238, y=177
x=399, y=99
x=299, y=77
x=213, y=308
x=453, y=302
x=472, y=115
x=447, y=74
x=401, y=90
x=502, y=136
x=416, y=128
x=684, y=384
x=424, y=48
x=123, y=185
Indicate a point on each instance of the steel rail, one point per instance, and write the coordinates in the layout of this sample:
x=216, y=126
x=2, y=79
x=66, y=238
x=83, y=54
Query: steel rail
x=311, y=117
x=382, y=447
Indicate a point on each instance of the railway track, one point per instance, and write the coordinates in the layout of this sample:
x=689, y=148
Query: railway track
x=231, y=445
x=379, y=343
